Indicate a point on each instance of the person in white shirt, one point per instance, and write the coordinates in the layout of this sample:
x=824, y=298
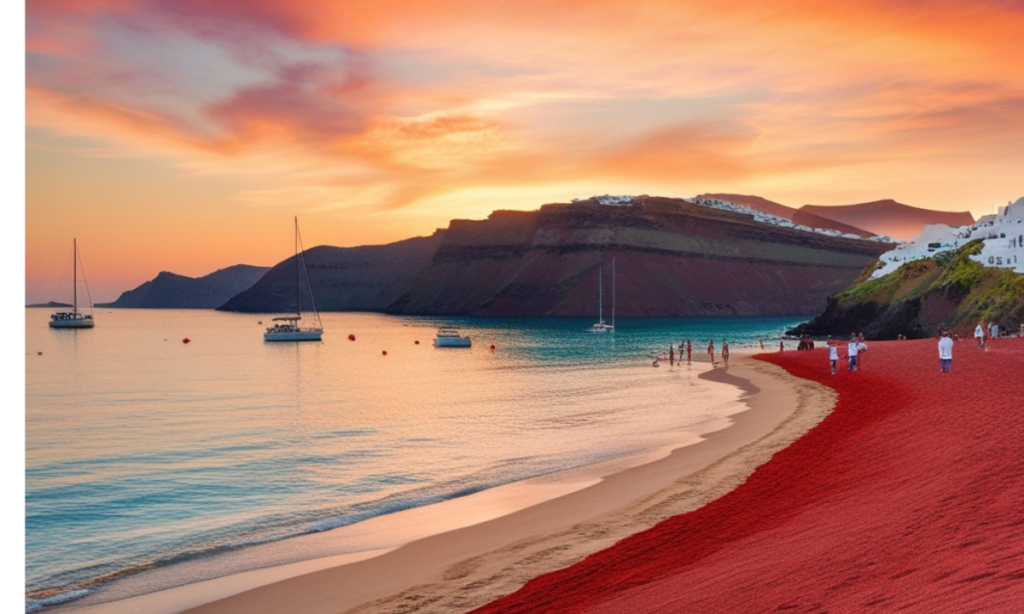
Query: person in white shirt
x=979, y=334
x=833, y=356
x=946, y=351
x=861, y=350
x=851, y=353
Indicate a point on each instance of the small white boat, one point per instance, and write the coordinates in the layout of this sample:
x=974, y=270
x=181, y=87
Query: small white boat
x=74, y=318
x=450, y=338
x=287, y=328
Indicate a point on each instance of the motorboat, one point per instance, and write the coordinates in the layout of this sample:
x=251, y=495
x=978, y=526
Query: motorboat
x=450, y=338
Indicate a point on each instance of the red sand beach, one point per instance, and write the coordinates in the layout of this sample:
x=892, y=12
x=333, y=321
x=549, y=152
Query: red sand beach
x=908, y=497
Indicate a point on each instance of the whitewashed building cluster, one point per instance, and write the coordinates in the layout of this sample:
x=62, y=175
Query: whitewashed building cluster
x=1002, y=233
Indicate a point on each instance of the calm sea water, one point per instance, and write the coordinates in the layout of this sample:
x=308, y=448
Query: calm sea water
x=143, y=451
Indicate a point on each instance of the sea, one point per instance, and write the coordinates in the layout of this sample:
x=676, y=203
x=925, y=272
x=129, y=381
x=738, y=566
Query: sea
x=163, y=437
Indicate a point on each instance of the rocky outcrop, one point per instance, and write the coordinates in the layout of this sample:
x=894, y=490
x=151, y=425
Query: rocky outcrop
x=922, y=297
x=171, y=291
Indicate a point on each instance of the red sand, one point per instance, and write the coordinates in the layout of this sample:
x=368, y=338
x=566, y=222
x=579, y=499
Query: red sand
x=908, y=497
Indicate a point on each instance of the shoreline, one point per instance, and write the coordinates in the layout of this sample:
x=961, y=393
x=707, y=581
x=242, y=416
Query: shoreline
x=565, y=519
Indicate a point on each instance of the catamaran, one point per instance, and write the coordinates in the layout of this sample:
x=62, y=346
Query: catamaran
x=601, y=326
x=288, y=328
x=74, y=318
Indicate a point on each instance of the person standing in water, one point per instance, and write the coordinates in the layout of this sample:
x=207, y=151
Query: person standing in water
x=725, y=353
x=711, y=352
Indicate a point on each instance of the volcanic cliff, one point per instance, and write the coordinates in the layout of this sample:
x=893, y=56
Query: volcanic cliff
x=672, y=258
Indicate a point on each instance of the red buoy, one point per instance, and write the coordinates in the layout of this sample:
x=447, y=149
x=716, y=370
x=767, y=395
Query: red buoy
x=40, y=353
x=351, y=337
x=185, y=340
x=417, y=342
x=384, y=352
x=492, y=347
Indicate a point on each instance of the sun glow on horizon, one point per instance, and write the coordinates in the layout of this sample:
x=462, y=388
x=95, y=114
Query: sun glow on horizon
x=183, y=135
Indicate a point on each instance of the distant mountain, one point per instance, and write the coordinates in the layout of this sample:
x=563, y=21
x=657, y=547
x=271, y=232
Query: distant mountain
x=949, y=290
x=171, y=291
x=888, y=217
x=673, y=258
x=806, y=218
x=366, y=278
x=755, y=202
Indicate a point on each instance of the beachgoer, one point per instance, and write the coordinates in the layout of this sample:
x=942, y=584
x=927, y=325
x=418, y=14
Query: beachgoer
x=689, y=351
x=782, y=345
x=979, y=334
x=761, y=341
x=725, y=353
x=711, y=352
x=851, y=353
x=671, y=356
x=945, y=352
x=833, y=357
x=993, y=330
x=861, y=348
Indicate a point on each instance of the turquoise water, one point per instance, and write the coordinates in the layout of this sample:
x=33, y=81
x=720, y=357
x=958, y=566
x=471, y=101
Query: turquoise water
x=143, y=451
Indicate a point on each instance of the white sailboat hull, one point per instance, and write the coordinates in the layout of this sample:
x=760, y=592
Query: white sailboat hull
x=301, y=335
x=83, y=323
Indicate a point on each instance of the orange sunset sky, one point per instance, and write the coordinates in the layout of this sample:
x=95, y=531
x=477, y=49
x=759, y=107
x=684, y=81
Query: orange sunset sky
x=183, y=135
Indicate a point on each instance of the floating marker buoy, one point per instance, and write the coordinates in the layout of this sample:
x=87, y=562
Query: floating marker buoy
x=384, y=353
x=40, y=353
x=492, y=347
x=351, y=337
x=260, y=322
x=186, y=340
x=417, y=342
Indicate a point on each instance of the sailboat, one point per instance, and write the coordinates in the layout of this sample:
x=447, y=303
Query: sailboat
x=74, y=318
x=288, y=328
x=601, y=326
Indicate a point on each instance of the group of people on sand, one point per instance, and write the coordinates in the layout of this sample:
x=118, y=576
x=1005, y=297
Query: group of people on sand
x=674, y=360
x=855, y=351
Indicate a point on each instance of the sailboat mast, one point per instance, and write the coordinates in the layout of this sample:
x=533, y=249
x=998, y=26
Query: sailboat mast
x=298, y=275
x=74, y=276
x=600, y=294
x=613, y=292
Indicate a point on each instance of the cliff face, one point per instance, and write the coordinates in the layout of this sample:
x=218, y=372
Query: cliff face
x=170, y=291
x=920, y=298
x=672, y=258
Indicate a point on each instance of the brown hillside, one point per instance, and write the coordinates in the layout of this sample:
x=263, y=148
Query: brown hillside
x=888, y=217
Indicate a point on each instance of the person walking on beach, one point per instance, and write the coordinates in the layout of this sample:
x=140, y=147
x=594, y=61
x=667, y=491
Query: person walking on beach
x=851, y=353
x=833, y=356
x=946, y=351
x=761, y=343
x=671, y=356
x=861, y=349
x=979, y=334
x=711, y=352
x=725, y=353
x=689, y=351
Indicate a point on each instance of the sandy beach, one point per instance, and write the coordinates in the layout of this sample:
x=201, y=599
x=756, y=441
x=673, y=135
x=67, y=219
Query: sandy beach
x=468, y=567
x=907, y=497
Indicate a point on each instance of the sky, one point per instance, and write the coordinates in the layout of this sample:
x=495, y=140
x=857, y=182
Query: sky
x=184, y=135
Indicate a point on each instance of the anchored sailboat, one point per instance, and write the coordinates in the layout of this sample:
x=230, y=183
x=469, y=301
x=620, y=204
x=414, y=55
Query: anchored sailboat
x=287, y=328
x=74, y=318
x=601, y=326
